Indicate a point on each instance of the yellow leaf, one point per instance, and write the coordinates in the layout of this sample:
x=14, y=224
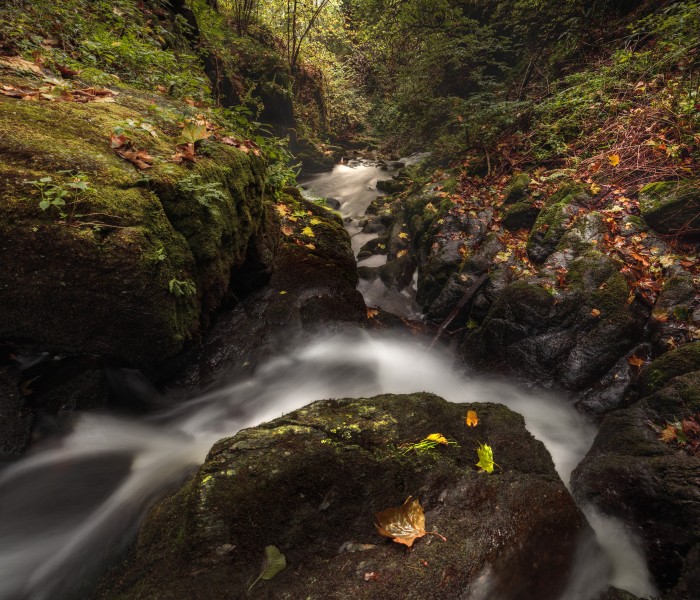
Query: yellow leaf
x=311, y=246
x=401, y=253
x=372, y=312
x=403, y=236
x=315, y=221
x=308, y=232
x=471, y=418
x=635, y=361
x=668, y=434
x=282, y=210
x=437, y=437
x=485, y=454
x=614, y=160
x=283, y=293
x=595, y=189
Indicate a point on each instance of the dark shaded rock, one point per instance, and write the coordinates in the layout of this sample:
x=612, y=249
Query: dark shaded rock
x=310, y=290
x=630, y=473
x=391, y=186
x=16, y=418
x=672, y=364
x=313, y=159
x=397, y=274
x=518, y=188
x=521, y=215
x=554, y=221
x=311, y=482
x=674, y=309
x=672, y=207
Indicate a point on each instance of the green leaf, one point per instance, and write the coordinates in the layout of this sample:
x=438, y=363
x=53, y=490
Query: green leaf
x=44, y=204
x=273, y=563
x=485, y=454
x=192, y=133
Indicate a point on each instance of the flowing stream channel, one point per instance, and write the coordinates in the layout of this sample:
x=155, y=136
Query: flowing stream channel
x=71, y=505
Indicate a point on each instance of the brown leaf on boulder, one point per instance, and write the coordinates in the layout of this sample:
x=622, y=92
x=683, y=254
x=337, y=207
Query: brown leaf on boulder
x=403, y=524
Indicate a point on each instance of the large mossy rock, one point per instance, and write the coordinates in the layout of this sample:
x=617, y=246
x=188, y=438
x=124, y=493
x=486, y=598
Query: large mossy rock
x=310, y=483
x=672, y=207
x=137, y=276
x=631, y=473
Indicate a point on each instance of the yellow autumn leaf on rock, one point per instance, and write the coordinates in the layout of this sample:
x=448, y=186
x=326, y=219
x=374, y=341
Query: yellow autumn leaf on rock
x=315, y=221
x=401, y=253
x=308, y=232
x=437, y=437
x=614, y=159
x=472, y=419
x=311, y=246
x=403, y=236
x=282, y=210
x=485, y=454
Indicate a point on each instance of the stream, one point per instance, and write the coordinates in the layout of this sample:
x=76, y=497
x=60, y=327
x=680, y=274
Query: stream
x=70, y=505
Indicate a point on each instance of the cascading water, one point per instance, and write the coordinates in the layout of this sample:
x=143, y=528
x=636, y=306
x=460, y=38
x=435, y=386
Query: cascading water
x=68, y=507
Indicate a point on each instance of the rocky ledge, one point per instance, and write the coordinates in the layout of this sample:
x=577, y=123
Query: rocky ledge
x=310, y=483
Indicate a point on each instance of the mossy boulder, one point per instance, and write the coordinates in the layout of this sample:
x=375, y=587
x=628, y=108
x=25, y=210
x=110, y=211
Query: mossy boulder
x=654, y=486
x=310, y=484
x=672, y=207
x=518, y=188
x=521, y=215
x=135, y=275
x=392, y=186
x=672, y=364
x=554, y=221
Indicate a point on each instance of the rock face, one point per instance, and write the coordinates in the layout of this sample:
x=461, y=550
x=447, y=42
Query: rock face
x=629, y=472
x=672, y=207
x=310, y=483
x=138, y=275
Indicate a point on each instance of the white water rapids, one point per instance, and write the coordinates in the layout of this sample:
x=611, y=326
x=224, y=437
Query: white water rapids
x=66, y=508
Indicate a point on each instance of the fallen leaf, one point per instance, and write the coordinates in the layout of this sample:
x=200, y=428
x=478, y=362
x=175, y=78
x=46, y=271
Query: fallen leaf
x=437, y=437
x=287, y=230
x=595, y=189
x=308, y=232
x=669, y=434
x=283, y=293
x=371, y=576
x=282, y=210
x=17, y=63
x=273, y=563
x=117, y=141
x=310, y=246
x=315, y=221
x=372, y=313
x=595, y=312
x=472, y=419
x=635, y=361
x=403, y=236
x=140, y=158
x=401, y=253
x=485, y=454
x=614, y=160
x=404, y=524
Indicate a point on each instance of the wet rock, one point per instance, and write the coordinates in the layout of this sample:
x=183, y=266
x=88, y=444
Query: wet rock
x=391, y=186
x=630, y=473
x=16, y=419
x=554, y=221
x=311, y=289
x=313, y=159
x=672, y=364
x=521, y=215
x=310, y=483
x=674, y=310
x=672, y=207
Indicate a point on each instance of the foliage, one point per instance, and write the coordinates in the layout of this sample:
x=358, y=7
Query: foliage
x=208, y=194
x=434, y=440
x=273, y=564
x=182, y=289
x=62, y=196
x=485, y=454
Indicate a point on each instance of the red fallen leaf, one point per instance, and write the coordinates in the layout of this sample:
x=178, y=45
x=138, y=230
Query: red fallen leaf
x=372, y=313
x=117, y=141
x=184, y=152
x=668, y=435
x=371, y=576
x=66, y=71
x=690, y=427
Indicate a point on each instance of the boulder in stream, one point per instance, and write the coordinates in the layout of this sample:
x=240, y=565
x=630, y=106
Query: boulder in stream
x=310, y=484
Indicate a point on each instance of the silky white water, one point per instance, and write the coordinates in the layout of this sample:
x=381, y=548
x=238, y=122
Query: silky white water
x=66, y=508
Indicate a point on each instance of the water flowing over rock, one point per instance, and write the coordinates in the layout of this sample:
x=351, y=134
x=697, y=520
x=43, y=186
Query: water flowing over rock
x=310, y=483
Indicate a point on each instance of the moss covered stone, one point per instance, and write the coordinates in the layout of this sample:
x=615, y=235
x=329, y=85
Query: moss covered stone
x=672, y=364
x=517, y=189
x=521, y=215
x=310, y=483
x=554, y=221
x=672, y=207
x=133, y=276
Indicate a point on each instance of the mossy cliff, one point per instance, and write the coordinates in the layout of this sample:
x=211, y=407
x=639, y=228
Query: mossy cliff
x=150, y=256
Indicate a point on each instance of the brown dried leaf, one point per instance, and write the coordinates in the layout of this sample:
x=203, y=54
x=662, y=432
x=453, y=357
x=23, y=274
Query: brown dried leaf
x=472, y=419
x=635, y=361
x=139, y=158
x=17, y=63
x=668, y=434
x=372, y=313
x=404, y=524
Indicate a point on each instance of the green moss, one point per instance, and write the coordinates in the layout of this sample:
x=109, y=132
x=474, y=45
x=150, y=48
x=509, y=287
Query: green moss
x=517, y=188
x=680, y=361
x=671, y=207
x=554, y=220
